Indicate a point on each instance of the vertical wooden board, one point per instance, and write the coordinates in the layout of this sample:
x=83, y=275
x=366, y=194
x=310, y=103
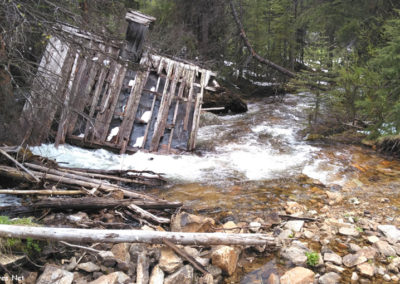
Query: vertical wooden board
x=38, y=112
x=103, y=102
x=180, y=95
x=190, y=80
x=82, y=95
x=205, y=77
x=95, y=98
x=110, y=103
x=131, y=109
x=166, y=100
x=71, y=90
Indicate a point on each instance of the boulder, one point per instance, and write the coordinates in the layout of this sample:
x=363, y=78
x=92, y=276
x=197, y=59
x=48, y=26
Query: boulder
x=294, y=226
x=349, y=231
x=88, y=267
x=384, y=248
x=112, y=278
x=372, y=239
x=295, y=254
x=333, y=257
x=390, y=231
x=351, y=260
x=183, y=276
x=55, y=275
x=298, y=275
x=333, y=268
x=121, y=252
x=254, y=226
x=224, y=98
x=107, y=258
x=366, y=269
x=329, y=278
x=185, y=222
x=208, y=118
x=169, y=260
x=157, y=275
x=293, y=207
x=226, y=258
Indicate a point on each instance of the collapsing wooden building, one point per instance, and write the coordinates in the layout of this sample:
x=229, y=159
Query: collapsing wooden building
x=91, y=92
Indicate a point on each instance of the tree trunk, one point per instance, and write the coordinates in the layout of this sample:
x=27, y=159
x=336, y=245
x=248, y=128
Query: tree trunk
x=251, y=49
x=132, y=236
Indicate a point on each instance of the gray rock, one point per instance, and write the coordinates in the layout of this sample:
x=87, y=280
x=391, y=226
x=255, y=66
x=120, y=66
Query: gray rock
x=208, y=118
x=285, y=234
x=182, y=276
x=55, y=275
x=169, y=261
x=333, y=257
x=353, y=248
x=254, y=226
x=384, y=248
x=333, y=268
x=88, y=267
x=352, y=232
x=295, y=254
x=351, y=260
x=368, y=252
x=107, y=258
x=390, y=232
x=386, y=277
x=366, y=269
x=157, y=275
x=394, y=265
x=372, y=239
x=354, y=277
x=329, y=278
x=294, y=226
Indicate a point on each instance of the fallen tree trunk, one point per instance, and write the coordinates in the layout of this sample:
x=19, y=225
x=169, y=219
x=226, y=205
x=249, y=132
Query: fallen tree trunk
x=98, y=184
x=260, y=59
x=42, y=192
x=100, y=203
x=132, y=236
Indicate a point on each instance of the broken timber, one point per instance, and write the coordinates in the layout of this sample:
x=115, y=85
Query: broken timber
x=132, y=236
x=87, y=88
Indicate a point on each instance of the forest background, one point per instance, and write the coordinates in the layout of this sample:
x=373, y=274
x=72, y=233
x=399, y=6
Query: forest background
x=347, y=52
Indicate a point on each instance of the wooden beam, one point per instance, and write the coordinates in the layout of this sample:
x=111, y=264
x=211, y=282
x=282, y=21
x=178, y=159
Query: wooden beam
x=132, y=236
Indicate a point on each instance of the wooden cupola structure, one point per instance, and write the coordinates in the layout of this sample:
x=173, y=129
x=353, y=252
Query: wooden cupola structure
x=117, y=95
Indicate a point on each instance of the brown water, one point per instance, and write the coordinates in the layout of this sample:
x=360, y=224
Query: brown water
x=249, y=165
x=265, y=162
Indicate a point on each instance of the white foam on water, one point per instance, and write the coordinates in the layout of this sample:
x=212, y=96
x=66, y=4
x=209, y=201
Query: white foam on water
x=250, y=155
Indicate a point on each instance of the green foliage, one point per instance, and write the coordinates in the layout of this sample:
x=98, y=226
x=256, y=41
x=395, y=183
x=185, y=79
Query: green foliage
x=312, y=258
x=28, y=246
x=5, y=220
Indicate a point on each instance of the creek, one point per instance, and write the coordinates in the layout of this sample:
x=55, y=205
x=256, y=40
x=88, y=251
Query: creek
x=249, y=165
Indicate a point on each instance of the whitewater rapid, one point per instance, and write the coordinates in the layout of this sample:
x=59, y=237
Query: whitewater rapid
x=262, y=144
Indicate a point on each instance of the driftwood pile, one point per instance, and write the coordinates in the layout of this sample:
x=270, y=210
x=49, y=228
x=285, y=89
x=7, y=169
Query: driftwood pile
x=95, y=191
x=106, y=209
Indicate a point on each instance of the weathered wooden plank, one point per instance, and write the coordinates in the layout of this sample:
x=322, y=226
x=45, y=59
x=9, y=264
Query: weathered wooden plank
x=189, y=101
x=180, y=94
x=197, y=111
x=109, y=102
x=82, y=95
x=68, y=94
x=132, y=105
x=146, y=132
x=39, y=111
x=164, y=107
x=95, y=99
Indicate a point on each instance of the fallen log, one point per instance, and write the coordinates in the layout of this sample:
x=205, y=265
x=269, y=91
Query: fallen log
x=100, y=203
x=132, y=236
x=19, y=165
x=147, y=215
x=98, y=184
x=253, y=53
x=42, y=192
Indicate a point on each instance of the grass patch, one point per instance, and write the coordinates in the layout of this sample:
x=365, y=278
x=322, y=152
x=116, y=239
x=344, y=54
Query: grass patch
x=12, y=245
x=312, y=258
